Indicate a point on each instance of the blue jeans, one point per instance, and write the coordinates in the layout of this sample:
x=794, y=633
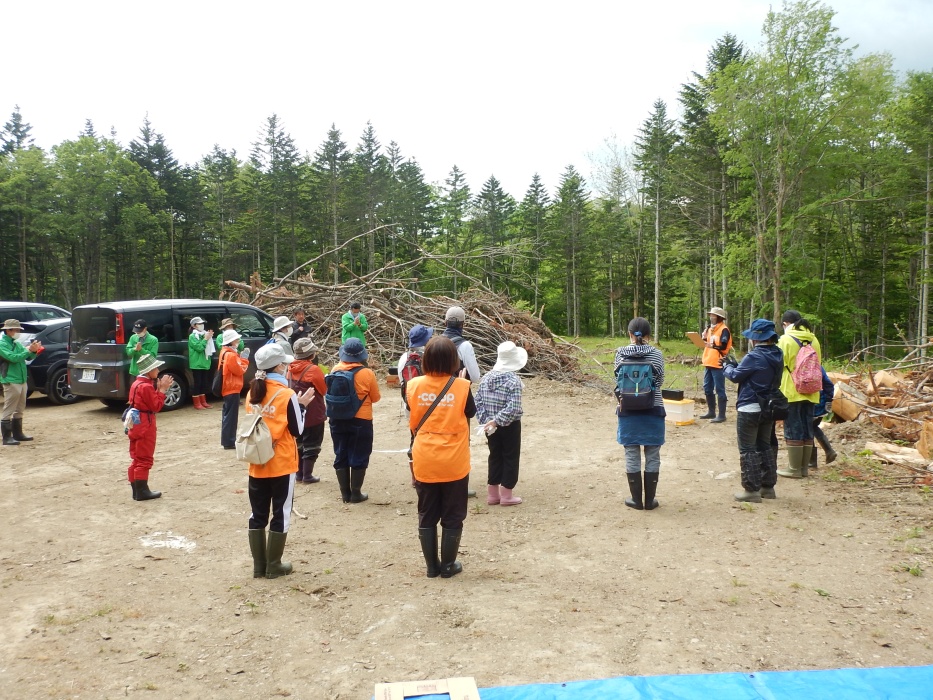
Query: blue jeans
x=714, y=382
x=798, y=426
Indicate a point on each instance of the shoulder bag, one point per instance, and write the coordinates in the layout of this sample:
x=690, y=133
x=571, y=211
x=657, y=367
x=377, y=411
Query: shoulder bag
x=217, y=385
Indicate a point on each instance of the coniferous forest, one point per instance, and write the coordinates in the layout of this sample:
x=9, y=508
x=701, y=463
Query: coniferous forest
x=797, y=174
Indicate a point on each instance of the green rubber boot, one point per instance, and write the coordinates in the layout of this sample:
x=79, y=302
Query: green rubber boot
x=257, y=546
x=275, y=567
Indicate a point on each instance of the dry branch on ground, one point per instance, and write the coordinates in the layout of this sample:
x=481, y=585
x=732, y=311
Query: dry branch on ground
x=392, y=306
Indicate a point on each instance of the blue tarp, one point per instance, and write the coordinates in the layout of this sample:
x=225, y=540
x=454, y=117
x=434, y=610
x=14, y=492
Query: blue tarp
x=903, y=683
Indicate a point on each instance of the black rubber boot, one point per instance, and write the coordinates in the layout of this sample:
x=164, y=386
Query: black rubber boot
x=307, y=471
x=343, y=479
x=428, y=537
x=275, y=567
x=710, y=406
x=827, y=449
x=6, y=428
x=135, y=491
x=634, y=485
x=721, y=418
x=813, y=460
x=18, y=431
x=651, y=488
x=450, y=545
x=356, y=483
x=143, y=493
x=257, y=547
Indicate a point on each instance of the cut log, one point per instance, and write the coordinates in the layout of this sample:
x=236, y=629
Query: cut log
x=845, y=408
x=925, y=443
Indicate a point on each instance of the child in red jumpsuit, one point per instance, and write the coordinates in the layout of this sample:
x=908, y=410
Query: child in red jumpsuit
x=147, y=395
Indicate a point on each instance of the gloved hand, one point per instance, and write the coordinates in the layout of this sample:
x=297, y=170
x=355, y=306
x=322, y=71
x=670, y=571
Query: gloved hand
x=729, y=360
x=245, y=354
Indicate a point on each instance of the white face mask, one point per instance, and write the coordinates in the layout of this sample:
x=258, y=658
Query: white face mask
x=200, y=326
x=16, y=336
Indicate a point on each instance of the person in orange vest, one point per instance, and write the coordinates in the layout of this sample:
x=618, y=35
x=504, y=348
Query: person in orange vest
x=718, y=341
x=441, y=408
x=272, y=485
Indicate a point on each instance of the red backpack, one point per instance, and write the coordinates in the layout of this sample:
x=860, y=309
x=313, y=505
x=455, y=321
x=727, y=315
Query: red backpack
x=410, y=370
x=807, y=373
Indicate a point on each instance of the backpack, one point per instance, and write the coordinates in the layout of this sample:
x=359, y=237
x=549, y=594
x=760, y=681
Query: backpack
x=341, y=399
x=635, y=383
x=807, y=373
x=410, y=370
x=254, y=443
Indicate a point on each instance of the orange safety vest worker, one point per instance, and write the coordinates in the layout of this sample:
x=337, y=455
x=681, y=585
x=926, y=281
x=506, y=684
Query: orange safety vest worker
x=275, y=415
x=441, y=452
x=712, y=354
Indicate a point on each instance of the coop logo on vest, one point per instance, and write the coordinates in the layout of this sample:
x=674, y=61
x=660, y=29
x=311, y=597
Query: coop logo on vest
x=427, y=398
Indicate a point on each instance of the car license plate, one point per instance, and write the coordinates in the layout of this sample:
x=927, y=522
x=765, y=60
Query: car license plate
x=88, y=375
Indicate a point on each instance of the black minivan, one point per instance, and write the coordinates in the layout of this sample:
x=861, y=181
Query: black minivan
x=98, y=365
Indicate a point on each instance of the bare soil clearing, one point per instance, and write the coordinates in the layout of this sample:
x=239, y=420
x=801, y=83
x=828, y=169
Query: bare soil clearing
x=569, y=585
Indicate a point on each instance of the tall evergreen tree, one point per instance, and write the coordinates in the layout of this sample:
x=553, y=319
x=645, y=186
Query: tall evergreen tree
x=653, y=146
x=330, y=168
x=15, y=135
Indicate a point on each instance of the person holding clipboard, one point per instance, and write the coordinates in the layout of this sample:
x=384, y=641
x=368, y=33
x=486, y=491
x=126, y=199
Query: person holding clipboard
x=717, y=342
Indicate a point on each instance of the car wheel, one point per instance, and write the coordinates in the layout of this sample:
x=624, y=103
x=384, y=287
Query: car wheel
x=58, y=390
x=177, y=394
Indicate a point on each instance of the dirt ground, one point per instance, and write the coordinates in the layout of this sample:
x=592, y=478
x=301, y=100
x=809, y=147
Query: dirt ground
x=570, y=585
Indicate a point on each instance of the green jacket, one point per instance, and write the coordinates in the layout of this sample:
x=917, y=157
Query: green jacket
x=790, y=348
x=350, y=330
x=150, y=347
x=219, y=345
x=197, y=359
x=16, y=355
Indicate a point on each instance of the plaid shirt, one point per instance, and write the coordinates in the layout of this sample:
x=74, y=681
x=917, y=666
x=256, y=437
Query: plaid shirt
x=499, y=398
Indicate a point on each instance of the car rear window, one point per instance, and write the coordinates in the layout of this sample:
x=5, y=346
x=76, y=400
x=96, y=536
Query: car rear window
x=92, y=325
x=42, y=313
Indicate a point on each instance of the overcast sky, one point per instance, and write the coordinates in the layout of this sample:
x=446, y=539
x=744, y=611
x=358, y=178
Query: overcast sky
x=501, y=88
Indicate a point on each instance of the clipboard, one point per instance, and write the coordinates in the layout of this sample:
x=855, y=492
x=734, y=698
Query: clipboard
x=696, y=339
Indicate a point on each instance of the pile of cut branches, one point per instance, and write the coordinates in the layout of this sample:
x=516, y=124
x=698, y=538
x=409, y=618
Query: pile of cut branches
x=392, y=306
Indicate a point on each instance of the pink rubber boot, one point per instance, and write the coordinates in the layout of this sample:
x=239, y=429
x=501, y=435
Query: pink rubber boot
x=506, y=498
x=492, y=495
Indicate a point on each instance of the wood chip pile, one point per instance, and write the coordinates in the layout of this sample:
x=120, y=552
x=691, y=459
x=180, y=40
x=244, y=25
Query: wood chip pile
x=392, y=308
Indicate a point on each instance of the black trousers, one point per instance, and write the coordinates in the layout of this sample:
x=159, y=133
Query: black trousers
x=505, y=449
x=445, y=502
x=310, y=440
x=275, y=494
x=202, y=381
x=754, y=434
x=228, y=420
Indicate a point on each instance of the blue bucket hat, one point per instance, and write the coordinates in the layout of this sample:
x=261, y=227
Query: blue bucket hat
x=761, y=329
x=419, y=336
x=353, y=351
